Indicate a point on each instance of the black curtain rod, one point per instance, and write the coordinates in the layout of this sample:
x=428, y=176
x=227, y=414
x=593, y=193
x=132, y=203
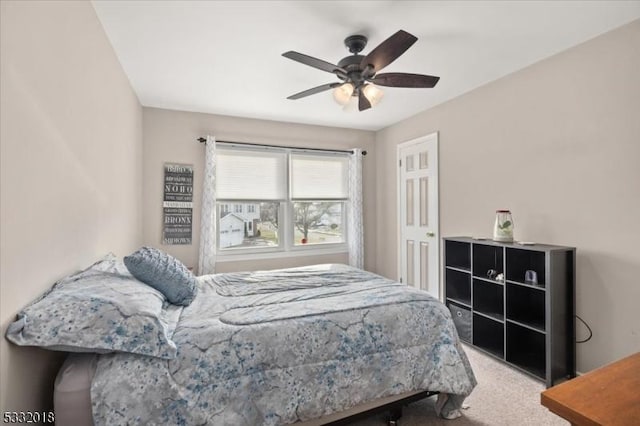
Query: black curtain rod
x=203, y=140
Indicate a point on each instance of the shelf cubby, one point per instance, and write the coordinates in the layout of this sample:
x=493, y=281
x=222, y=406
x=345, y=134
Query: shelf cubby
x=458, y=255
x=488, y=298
x=520, y=261
x=458, y=286
x=488, y=334
x=485, y=258
x=526, y=349
x=526, y=305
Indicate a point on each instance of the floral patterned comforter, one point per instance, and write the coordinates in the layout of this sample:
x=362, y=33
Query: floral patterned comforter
x=285, y=349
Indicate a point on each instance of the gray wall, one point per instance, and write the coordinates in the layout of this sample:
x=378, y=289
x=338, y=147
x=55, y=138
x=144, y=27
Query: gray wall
x=558, y=143
x=170, y=136
x=71, y=164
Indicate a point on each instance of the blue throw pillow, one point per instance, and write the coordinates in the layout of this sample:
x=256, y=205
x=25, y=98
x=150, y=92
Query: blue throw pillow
x=163, y=272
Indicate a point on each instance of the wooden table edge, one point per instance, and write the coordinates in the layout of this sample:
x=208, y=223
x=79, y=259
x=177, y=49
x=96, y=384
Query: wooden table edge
x=566, y=413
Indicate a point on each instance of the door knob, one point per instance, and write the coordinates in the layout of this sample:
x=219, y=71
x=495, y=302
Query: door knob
x=431, y=234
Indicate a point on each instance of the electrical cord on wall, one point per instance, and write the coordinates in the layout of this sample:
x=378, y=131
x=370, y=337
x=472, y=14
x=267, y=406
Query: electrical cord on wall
x=588, y=328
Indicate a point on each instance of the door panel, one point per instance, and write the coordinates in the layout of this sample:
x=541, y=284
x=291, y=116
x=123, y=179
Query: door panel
x=424, y=196
x=410, y=272
x=410, y=207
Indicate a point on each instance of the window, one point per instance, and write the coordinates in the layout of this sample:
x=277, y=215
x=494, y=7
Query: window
x=281, y=199
x=318, y=192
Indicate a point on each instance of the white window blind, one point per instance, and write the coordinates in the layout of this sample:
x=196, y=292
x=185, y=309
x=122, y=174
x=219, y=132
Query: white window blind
x=251, y=175
x=315, y=177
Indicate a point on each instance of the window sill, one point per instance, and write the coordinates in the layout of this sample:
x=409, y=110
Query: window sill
x=298, y=252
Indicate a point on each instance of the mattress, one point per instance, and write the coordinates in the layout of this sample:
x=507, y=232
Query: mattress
x=72, y=390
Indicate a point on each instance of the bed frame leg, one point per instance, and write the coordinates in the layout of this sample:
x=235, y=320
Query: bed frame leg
x=394, y=416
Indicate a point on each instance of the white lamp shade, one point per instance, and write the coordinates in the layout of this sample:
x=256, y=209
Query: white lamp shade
x=351, y=106
x=373, y=94
x=342, y=94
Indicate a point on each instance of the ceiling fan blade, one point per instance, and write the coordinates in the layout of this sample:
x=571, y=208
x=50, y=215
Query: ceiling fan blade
x=400, y=79
x=315, y=62
x=388, y=51
x=314, y=90
x=363, y=102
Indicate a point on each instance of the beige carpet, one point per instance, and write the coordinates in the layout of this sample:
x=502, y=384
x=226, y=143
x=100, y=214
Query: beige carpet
x=503, y=397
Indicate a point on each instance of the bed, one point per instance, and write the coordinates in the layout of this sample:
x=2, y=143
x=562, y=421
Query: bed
x=262, y=347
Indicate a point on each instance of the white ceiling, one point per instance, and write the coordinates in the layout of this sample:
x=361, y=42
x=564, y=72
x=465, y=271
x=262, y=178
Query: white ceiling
x=224, y=57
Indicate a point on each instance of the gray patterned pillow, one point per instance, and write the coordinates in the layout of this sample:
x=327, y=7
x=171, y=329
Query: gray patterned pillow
x=163, y=272
x=101, y=309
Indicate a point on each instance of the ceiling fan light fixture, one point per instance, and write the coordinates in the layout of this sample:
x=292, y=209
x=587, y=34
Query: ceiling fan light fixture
x=373, y=94
x=342, y=94
x=351, y=106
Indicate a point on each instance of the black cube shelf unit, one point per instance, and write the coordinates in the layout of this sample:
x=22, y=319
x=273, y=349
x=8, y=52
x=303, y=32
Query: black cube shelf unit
x=528, y=324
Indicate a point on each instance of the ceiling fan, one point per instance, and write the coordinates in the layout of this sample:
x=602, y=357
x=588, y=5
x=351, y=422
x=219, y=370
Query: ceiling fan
x=359, y=74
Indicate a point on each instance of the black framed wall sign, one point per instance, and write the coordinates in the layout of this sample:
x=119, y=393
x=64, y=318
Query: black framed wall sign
x=177, y=205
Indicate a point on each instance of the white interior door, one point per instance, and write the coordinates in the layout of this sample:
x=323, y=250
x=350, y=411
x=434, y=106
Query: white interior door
x=419, y=254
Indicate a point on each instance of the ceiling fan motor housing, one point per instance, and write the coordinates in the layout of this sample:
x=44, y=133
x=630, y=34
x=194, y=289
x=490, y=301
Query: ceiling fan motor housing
x=351, y=64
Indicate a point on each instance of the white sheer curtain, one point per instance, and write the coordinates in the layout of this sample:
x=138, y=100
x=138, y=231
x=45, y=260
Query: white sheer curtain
x=355, y=227
x=207, y=257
